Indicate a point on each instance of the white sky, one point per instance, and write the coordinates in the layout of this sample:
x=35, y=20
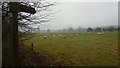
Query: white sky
x=72, y=0
x=87, y=0
x=84, y=14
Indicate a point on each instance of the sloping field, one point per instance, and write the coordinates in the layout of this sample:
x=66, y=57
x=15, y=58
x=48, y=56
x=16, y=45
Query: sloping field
x=85, y=49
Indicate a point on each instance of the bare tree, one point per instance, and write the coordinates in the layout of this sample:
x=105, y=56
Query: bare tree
x=27, y=22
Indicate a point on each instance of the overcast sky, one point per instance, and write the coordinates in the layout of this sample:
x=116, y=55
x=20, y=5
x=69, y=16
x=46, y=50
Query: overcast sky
x=84, y=14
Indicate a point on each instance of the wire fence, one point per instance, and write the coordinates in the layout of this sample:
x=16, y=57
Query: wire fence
x=29, y=57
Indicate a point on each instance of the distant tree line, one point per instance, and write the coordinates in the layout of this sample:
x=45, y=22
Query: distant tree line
x=70, y=29
x=80, y=29
x=100, y=29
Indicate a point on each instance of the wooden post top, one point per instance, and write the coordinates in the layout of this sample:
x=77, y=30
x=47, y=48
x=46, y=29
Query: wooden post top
x=17, y=7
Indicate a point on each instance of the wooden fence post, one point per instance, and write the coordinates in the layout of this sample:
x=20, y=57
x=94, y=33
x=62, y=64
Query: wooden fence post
x=14, y=8
x=31, y=48
x=14, y=33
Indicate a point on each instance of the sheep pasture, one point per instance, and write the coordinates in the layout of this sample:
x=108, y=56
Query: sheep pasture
x=83, y=49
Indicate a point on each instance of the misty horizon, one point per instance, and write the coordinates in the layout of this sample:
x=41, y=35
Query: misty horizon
x=83, y=14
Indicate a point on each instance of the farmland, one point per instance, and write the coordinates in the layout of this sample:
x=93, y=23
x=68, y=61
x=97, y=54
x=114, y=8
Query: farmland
x=85, y=49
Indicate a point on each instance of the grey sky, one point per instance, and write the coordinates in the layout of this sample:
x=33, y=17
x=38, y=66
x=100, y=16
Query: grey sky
x=84, y=14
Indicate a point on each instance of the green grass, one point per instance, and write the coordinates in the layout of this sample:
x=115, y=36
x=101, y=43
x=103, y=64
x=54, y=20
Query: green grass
x=86, y=49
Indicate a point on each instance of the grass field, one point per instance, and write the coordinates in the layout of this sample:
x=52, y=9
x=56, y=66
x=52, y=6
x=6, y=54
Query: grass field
x=86, y=49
